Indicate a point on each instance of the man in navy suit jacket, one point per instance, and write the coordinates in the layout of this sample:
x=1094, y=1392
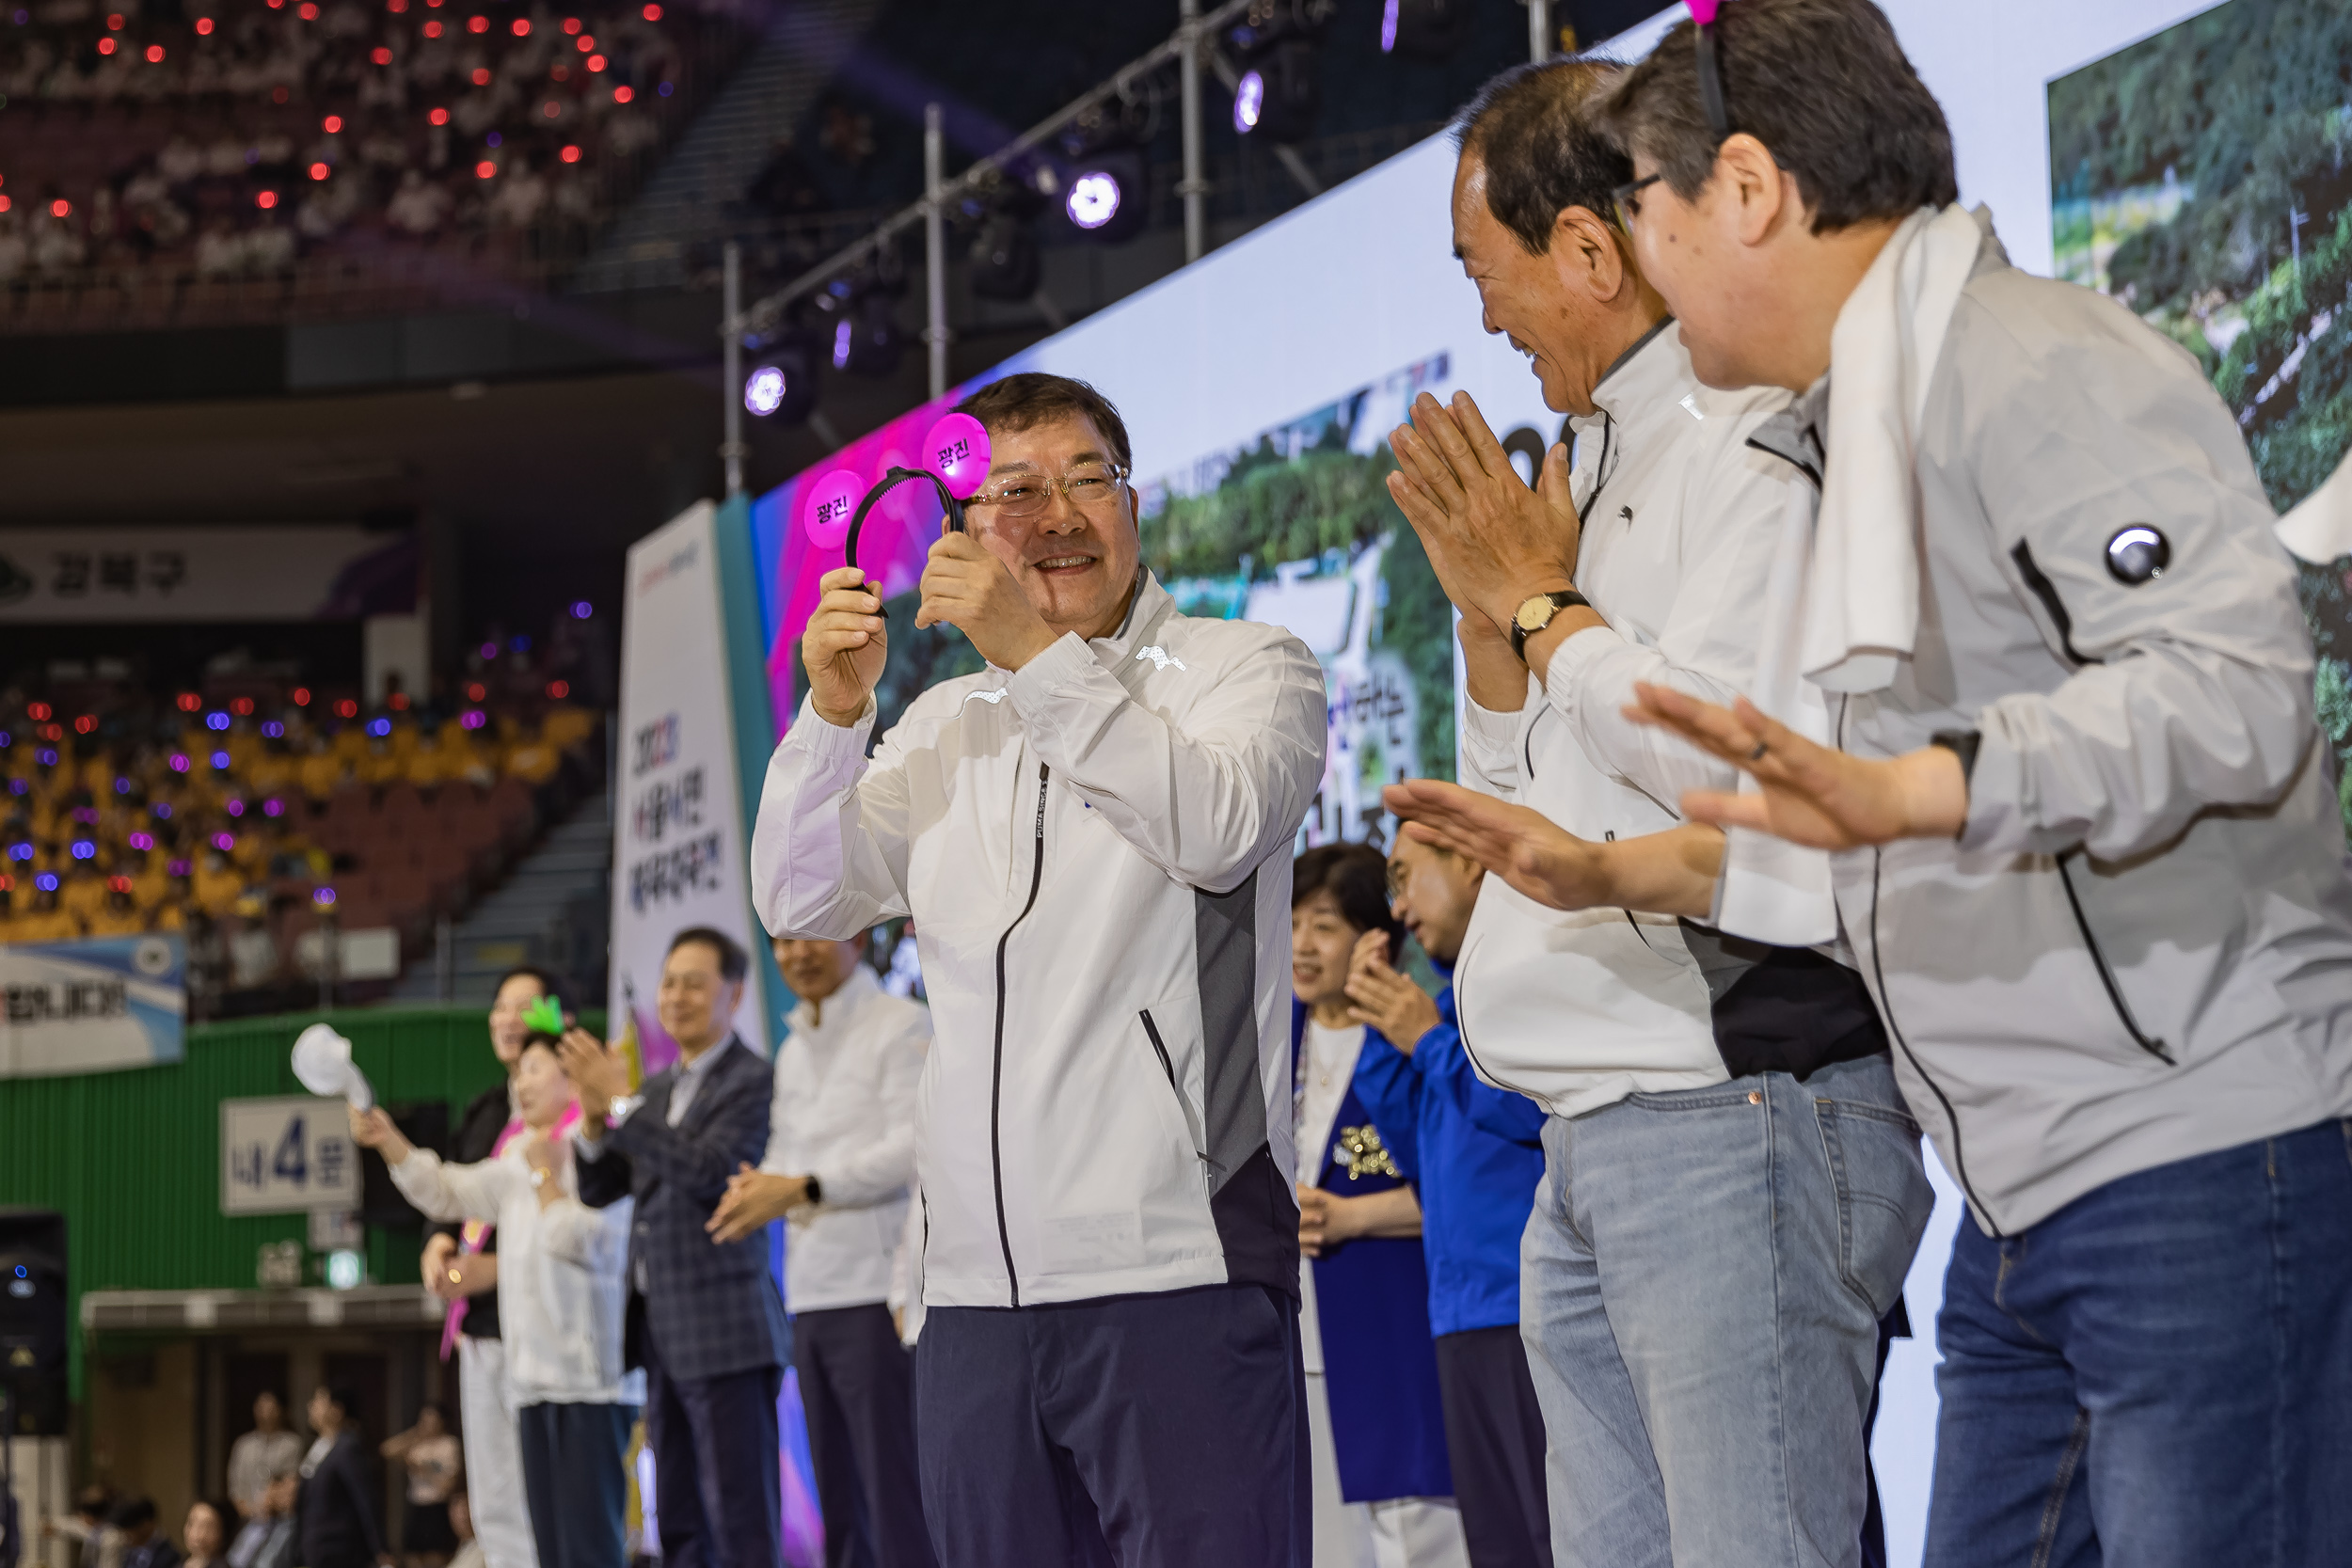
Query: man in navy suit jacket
x=713, y=1340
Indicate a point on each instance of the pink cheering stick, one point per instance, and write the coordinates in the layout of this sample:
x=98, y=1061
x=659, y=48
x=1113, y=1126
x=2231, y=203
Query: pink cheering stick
x=827, y=507
x=955, y=458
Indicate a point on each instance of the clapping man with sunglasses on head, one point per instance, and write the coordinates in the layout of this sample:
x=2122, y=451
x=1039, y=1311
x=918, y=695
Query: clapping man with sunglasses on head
x=1092, y=836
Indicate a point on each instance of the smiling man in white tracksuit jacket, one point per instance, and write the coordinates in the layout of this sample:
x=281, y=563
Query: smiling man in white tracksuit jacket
x=1092, y=837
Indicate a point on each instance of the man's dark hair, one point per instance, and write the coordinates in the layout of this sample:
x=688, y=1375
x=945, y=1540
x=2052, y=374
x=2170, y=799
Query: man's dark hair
x=131, y=1512
x=1030, y=398
x=1536, y=130
x=549, y=984
x=345, y=1399
x=1357, y=877
x=1822, y=84
x=734, y=964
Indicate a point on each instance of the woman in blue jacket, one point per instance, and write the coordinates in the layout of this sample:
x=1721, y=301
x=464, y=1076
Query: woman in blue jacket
x=1383, y=1487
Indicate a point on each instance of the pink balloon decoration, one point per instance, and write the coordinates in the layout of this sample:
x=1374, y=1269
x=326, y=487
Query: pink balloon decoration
x=831, y=503
x=957, y=451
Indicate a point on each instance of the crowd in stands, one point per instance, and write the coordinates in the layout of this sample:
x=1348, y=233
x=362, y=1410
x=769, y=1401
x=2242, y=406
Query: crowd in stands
x=223, y=138
x=247, y=821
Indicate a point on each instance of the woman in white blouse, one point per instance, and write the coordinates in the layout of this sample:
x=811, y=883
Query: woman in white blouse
x=560, y=1300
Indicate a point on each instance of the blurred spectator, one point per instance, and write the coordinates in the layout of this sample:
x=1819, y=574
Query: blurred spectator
x=335, y=1523
x=97, y=1541
x=204, y=1534
x=144, y=1545
x=468, y=1553
x=261, y=1457
x=435, y=1464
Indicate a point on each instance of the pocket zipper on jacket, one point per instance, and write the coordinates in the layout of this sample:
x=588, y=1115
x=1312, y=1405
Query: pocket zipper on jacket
x=996, y=1070
x=1168, y=1064
x=2107, y=975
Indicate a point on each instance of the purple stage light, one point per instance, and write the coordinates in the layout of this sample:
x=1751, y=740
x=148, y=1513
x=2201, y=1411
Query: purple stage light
x=1388, y=27
x=843, y=339
x=581, y=609
x=763, y=392
x=1094, y=199
x=1249, y=101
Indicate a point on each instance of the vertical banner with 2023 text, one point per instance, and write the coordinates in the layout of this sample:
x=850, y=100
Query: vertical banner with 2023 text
x=680, y=857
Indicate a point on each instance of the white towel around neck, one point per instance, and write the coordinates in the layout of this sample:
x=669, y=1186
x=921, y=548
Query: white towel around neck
x=1842, y=598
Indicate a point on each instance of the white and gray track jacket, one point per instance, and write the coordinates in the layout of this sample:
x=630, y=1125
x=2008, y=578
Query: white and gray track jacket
x=1095, y=851
x=2140, y=948
x=1577, y=1010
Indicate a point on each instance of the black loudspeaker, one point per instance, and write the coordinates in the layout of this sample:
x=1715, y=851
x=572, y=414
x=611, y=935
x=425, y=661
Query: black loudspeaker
x=423, y=1122
x=33, y=1321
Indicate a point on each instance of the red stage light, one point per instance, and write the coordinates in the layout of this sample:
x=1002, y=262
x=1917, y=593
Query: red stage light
x=559, y=689
x=432, y=30
x=265, y=200
x=106, y=46
x=482, y=76
x=587, y=42
x=114, y=22
x=596, y=62
x=6, y=203
x=396, y=7
x=550, y=108
x=242, y=707
x=190, y=702
x=571, y=25
x=331, y=124
x=320, y=171
x=570, y=155
x=277, y=95
x=155, y=52
x=203, y=25
x=52, y=732
x=475, y=692
x=653, y=13
x=301, y=696
x=346, y=710
x=485, y=169
x=117, y=884
x=622, y=95
x=308, y=11
x=438, y=117
x=60, y=207
x=477, y=24
x=397, y=702
x=37, y=710
x=522, y=28
x=380, y=54
x=85, y=723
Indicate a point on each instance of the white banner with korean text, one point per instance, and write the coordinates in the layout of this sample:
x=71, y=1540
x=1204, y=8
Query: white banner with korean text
x=96, y=1004
x=678, y=854
x=113, y=575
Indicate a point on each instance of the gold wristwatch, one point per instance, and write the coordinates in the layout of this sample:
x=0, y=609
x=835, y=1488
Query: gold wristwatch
x=1535, y=613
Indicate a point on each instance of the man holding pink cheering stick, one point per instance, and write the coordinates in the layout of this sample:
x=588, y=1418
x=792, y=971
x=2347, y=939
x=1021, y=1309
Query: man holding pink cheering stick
x=1092, y=836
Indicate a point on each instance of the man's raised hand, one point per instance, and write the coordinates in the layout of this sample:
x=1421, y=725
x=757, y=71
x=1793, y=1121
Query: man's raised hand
x=1385, y=999
x=844, y=646
x=1808, y=793
x=966, y=587
x=1492, y=541
x=1523, y=846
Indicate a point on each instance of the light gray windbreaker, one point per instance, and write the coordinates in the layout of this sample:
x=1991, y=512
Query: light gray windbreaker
x=2139, y=949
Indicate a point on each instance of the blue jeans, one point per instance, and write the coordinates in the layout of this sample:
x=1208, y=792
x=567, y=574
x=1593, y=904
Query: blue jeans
x=1700, y=1285
x=2158, y=1374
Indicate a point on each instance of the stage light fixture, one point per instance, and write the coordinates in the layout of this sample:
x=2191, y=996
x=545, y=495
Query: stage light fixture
x=782, y=388
x=1279, y=93
x=858, y=324
x=1005, y=263
x=1424, y=29
x=763, y=391
x=1105, y=198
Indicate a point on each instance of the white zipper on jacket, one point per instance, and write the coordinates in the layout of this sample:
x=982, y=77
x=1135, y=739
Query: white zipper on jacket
x=996, y=1070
